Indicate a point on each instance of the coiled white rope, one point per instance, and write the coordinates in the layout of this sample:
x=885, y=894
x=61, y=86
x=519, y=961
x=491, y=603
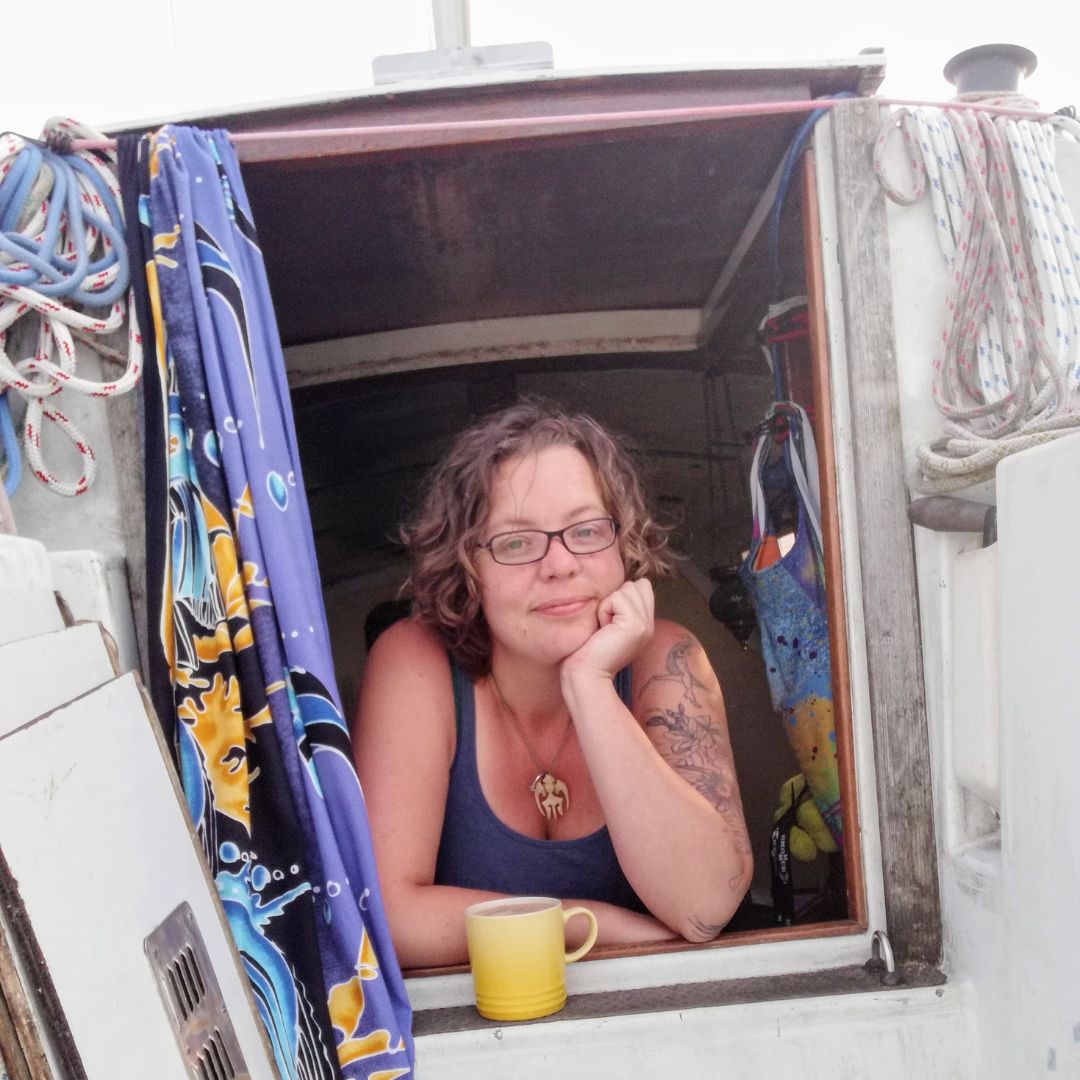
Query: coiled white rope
x=44, y=258
x=1008, y=372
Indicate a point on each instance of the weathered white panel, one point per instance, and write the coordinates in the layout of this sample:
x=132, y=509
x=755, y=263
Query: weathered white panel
x=93, y=830
x=1038, y=522
x=926, y=1033
x=1008, y=889
x=95, y=587
x=976, y=728
x=41, y=673
x=27, y=604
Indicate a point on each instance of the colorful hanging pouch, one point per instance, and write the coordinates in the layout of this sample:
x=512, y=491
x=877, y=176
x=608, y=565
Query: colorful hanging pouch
x=788, y=593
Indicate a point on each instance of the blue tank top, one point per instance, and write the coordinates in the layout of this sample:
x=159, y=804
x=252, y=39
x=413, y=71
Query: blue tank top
x=478, y=851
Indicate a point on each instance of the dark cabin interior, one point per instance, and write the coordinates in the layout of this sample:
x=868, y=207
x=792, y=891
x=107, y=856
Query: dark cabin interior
x=423, y=277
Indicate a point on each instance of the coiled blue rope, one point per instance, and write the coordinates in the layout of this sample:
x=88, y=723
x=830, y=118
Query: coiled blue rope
x=62, y=255
x=48, y=269
x=10, y=443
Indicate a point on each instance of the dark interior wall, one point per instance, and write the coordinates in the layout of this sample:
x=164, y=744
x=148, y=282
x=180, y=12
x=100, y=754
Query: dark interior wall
x=367, y=445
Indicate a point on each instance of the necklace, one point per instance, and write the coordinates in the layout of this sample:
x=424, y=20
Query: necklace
x=551, y=795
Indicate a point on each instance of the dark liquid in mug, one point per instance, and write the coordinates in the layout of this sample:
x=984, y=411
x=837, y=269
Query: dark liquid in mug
x=516, y=907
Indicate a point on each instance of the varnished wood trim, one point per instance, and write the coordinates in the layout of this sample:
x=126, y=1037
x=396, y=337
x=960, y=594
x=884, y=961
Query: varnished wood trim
x=839, y=928
x=886, y=550
x=52, y=1013
x=21, y=1050
x=830, y=530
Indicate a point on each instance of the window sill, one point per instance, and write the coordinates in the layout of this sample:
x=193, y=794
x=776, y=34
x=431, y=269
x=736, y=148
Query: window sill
x=831, y=982
x=782, y=952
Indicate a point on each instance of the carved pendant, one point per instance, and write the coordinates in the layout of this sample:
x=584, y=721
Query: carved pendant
x=551, y=794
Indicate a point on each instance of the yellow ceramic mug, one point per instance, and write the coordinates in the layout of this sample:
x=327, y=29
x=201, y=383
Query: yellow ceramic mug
x=517, y=949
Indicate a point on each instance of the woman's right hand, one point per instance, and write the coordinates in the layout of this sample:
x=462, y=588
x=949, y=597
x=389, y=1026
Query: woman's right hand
x=625, y=623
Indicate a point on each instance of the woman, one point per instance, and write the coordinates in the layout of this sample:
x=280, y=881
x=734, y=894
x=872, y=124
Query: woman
x=532, y=729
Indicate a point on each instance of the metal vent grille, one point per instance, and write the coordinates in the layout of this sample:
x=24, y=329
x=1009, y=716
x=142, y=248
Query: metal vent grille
x=214, y=1062
x=192, y=998
x=186, y=987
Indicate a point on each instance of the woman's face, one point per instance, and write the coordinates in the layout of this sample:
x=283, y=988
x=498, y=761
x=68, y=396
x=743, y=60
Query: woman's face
x=544, y=611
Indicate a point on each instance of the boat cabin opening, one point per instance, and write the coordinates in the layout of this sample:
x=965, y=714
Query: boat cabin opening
x=620, y=267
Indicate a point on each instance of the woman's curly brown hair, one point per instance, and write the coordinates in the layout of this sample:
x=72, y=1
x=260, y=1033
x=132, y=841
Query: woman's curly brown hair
x=443, y=536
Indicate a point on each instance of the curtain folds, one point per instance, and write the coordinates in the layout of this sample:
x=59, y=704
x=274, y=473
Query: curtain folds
x=245, y=664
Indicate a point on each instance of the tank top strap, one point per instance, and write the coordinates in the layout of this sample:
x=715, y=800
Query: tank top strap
x=464, y=714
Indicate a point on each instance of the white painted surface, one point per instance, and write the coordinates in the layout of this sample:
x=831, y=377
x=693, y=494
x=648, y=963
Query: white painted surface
x=1009, y=886
x=1039, y=583
x=925, y=1033
x=43, y=672
x=38, y=674
x=27, y=604
x=93, y=830
x=95, y=587
x=976, y=727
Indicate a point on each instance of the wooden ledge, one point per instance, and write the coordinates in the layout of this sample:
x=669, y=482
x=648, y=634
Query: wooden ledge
x=854, y=979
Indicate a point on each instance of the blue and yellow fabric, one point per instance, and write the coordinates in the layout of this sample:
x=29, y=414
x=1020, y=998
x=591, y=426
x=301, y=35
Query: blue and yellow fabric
x=788, y=593
x=261, y=742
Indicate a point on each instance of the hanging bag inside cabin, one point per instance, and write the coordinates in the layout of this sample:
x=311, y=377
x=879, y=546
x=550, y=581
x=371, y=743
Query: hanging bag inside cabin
x=788, y=594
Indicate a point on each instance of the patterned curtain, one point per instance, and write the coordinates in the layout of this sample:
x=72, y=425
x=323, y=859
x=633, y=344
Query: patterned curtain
x=244, y=664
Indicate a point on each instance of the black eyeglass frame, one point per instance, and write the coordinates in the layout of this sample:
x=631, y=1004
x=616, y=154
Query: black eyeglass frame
x=550, y=535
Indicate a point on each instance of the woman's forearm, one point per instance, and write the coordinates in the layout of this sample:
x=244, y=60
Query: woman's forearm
x=615, y=925
x=427, y=924
x=689, y=863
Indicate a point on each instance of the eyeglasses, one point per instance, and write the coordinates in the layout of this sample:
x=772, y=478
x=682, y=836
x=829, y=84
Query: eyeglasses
x=531, y=545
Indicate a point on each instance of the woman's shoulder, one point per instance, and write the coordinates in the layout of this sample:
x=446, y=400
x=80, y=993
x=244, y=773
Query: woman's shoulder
x=407, y=683
x=406, y=638
x=409, y=654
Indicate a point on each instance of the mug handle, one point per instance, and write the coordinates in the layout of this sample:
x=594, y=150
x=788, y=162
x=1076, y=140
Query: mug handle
x=590, y=940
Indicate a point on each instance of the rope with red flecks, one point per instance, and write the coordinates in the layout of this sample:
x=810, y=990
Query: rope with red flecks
x=1007, y=376
x=87, y=236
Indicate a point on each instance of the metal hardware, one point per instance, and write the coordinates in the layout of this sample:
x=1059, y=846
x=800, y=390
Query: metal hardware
x=881, y=959
x=994, y=68
x=192, y=998
x=946, y=513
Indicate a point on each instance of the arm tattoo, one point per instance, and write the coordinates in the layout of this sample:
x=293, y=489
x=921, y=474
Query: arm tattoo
x=692, y=740
x=678, y=670
x=699, y=750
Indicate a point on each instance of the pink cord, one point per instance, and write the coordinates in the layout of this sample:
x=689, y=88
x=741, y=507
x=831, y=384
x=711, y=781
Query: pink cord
x=697, y=112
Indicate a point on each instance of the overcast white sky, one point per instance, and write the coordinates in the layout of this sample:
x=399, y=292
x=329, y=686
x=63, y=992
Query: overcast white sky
x=142, y=59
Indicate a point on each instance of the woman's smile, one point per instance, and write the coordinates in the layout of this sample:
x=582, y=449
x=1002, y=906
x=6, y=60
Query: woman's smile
x=567, y=606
